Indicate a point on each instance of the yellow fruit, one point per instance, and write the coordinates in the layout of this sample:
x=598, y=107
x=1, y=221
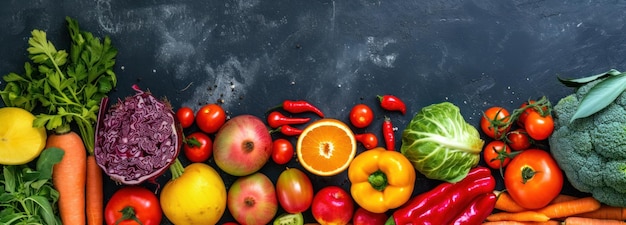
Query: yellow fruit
x=326, y=147
x=20, y=142
x=197, y=197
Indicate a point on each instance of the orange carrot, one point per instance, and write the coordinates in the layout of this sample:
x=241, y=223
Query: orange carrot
x=563, y=198
x=510, y=222
x=68, y=176
x=589, y=221
x=94, y=189
x=506, y=203
x=606, y=212
x=518, y=216
x=570, y=208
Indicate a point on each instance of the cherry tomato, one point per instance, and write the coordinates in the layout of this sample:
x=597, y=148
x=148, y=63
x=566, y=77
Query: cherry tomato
x=494, y=122
x=294, y=190
x=533, y=178
x=210, y=118
x=282, y=151
x=368, y=140
x=522, y=116
x=518, y=139
x=185, y=116
x=496, y=154
x=361, y=116
x=198, y=147
x=140, y=200
x=539, y=127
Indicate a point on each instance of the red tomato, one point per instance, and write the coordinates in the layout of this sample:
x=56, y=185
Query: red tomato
x=363, y=217
x=294, y=190
x=539, y=127
x=142, y=201
x=494, y=122
x=518, y=139
x=210, y=118
x=368, y=140
x=198, y=147
x=533, y=178
x=496, y=154
x=185, y=116
x=361, y=116
x=282, y=151
x=522, y=116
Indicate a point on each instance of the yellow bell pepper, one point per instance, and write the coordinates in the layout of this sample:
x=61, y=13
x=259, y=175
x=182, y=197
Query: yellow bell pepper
x=381, y=179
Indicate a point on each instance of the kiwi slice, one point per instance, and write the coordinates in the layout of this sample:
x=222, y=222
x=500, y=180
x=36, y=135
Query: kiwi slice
x=289, y=219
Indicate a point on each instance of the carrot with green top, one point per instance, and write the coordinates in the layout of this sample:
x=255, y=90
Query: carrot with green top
x=69, y=176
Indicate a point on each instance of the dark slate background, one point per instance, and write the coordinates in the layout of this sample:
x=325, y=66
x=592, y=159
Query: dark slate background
x=252, y=54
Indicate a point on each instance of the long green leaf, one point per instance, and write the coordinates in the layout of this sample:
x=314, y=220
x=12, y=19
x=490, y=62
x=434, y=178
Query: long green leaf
x=45, y=208
x=582, y=81
x=600, y=96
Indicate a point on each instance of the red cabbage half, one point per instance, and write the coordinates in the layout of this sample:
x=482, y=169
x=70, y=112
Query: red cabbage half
x=137, y=139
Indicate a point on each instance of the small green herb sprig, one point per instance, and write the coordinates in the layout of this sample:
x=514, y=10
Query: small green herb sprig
x=69, y=87
x=27, y=195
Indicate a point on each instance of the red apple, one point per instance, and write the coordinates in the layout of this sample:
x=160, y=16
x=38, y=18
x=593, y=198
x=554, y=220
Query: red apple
x=252, y=199
x=364, y=217
x=242, y=145
x=332, y=206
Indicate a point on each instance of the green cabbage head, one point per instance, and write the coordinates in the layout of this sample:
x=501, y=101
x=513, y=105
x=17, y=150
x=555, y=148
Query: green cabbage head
x=440, y=144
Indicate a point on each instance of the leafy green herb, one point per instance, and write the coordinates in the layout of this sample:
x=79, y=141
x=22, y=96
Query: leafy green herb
x=612, y=84
x=68, y=86
x=26, y=195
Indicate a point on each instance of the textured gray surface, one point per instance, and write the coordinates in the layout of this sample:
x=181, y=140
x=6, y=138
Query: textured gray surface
x=253, y=54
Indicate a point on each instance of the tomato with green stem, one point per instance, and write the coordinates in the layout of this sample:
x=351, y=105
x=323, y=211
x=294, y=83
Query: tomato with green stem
x=210, y=118
x=282, y=151
x=518, y=139
x=198, y=147
x=495, y=122
x=533, y=178
x=361, y=115
x=496, y=154
x=133, y=205
x=539, y=127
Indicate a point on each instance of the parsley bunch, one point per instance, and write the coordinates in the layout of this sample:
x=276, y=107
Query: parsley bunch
x=68, y=86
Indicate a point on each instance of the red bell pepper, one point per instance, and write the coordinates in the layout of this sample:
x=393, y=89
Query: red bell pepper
x=447, y=201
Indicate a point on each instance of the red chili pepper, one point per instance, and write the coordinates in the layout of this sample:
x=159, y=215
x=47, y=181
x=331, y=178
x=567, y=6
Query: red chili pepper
x=478, y=210
x=299, y=106
x=392, y=103
x=388, y=135
x=287, y=130
x=441, y=204
x=276, y=119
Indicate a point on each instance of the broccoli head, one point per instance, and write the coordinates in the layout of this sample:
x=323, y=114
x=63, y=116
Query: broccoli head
x=592, y=150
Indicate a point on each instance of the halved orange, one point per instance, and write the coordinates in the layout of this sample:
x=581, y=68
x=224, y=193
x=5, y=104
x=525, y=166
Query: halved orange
x=326, y=147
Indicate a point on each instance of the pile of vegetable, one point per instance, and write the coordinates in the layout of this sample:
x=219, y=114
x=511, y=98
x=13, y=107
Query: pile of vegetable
x=56, y=177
